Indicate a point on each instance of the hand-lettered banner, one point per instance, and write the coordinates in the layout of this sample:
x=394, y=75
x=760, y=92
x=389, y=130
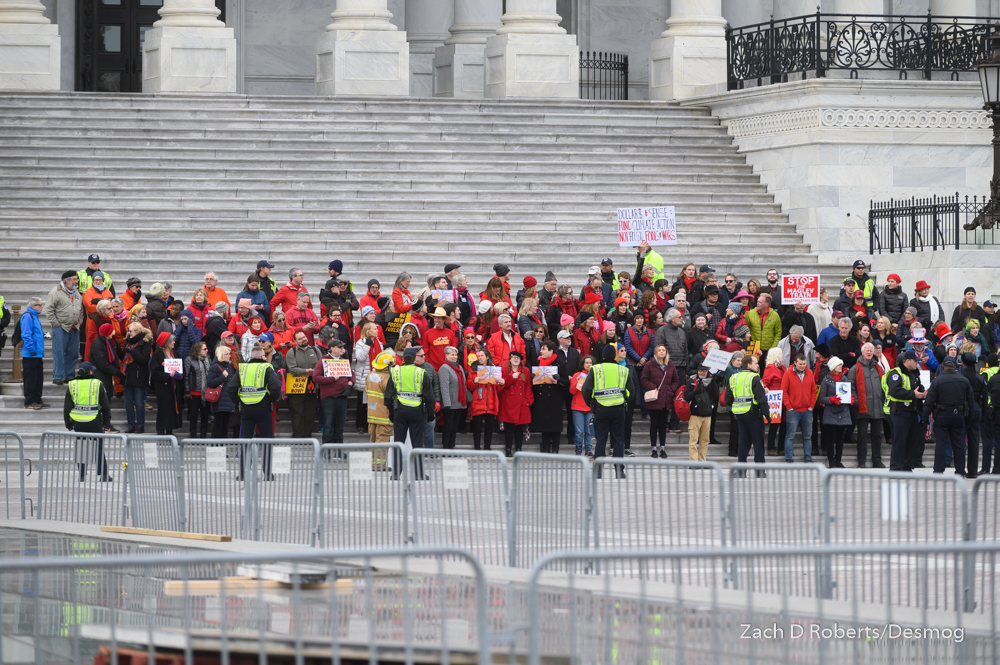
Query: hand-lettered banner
x=655, y=226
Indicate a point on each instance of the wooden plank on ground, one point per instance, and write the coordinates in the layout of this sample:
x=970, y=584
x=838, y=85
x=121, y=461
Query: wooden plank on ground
x=167, y=534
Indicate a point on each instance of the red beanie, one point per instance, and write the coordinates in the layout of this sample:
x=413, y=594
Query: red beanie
x=530, y=282
x=895, y=277
x=162, y=338
x=105, y=330
x=591, y=298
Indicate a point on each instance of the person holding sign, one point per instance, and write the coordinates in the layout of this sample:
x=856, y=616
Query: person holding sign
x=836, y=413
x=485, y=404
x=606, y=392
x=549, y=399
x=515, y=402
x=334, y=378
x=300, y=388
x=167, y=386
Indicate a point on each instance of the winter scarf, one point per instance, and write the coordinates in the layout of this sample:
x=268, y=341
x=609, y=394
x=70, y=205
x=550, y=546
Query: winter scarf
x=860, y=375
x=545, y=362
x=461, y=380
x=933, y=306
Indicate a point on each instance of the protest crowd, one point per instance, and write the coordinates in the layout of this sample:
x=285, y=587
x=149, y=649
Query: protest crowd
x=882, y=365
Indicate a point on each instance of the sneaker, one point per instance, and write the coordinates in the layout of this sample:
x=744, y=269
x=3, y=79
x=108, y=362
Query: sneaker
x=579, y=452
x=590, y=455
x=34, y=407
x=149, y=406
x=112, y=430
x=629, y=453
x=655, y=454
x=44, y=405
x=663, y=453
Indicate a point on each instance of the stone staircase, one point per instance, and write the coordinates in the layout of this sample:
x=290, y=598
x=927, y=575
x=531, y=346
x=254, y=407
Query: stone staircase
x=168, y=187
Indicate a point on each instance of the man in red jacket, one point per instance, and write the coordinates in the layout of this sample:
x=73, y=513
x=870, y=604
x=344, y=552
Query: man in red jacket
x=287, y=296
x=503, y=342
x=302, y=318
x=439, y=338
x=798, y=396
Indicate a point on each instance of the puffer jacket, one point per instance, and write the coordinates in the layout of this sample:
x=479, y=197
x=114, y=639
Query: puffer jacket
x=361, y=364
x=31, y=332
x=768, y=331
x=138, y=349
x=666, y=379
x=893, y=303
x=217, y=379
x=196, y=374
x=833, y=414
x=186, y=336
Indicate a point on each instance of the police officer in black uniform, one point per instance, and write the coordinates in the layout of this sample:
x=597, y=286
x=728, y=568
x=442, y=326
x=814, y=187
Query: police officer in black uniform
x=978, y=407
x=409, y=418
x=255, y=388
x=86, y=409
x=949, y=399
x=993, y=412
x=904, y=397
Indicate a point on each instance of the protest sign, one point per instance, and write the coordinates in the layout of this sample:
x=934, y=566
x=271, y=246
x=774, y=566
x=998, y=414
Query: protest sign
x=655, y=226
x=925, y=378
x=774, y=398
x=336, y=368
x=442, y=297
x=296, y=385
x=799, y=288
x=489, y=375
x=544, y=375
x=173, y=365
x=844, y=392
x=718, y=360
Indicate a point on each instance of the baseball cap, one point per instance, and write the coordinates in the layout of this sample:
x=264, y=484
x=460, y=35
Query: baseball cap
x=837, y=314
x=859, y=264
x=267, y=337
x=594, y=270
x=706, y=268
x=910, y=355
x=93, y=258
x=607, y=261
x=264, y=264
x=563, y=334
x=340, y=343
x=85, y=367
x=989, y=303
x=950, y=362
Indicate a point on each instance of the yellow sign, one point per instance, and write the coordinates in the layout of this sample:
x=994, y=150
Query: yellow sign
x=296, y=385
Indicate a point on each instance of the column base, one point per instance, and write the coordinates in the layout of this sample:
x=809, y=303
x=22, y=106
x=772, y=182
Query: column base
x=363, y=62
x=688, y=66
x=532, y=65
x=29, y=56
x=421, y=74
x=189, y=60
x=459, y=70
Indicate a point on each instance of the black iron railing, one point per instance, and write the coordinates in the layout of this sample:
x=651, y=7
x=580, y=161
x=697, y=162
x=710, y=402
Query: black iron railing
x=603, y=76
x=930, y=224
x=818, y=43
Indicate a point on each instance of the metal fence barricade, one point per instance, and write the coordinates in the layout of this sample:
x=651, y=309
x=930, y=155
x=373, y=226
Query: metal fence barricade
x=156, y=496
x=463, y=502
x=550, y=506
x=883, y=507
x=82, y=478
x=285, y=491
x=217, y=473
x=364, y=500
x=8, y=439
x=984, y=527
x=662, y=504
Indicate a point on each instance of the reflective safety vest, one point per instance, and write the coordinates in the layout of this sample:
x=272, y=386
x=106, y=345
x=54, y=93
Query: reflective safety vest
x=885, y=387
x=988, y=371
x=868, y=291
x=86, y=396
x=610, y=384
x=253, y=384
x=741, y=386
x=86, y=281
x=377, y=413
x=409, y=382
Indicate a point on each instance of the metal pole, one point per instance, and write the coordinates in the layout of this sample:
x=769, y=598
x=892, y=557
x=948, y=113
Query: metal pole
x=16, y=311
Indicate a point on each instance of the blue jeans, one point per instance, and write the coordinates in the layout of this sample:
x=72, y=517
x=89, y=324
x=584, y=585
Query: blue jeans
x=135, y=409
x=583, y=426
x=65, y=349
x=334, y=410
x=793, y=419
x=429, y=434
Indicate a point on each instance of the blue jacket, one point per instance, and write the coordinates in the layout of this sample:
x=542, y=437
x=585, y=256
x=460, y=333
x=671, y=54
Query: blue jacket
x=258, y=297
x=186, y=336
x=827, y=334
x=31, y=333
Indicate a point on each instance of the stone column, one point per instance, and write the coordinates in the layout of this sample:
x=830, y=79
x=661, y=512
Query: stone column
x=690, y=59
x=362, y=53
x=189, y=50
x=427, y=23
x=29, y=47
x=953, y=8
x=459, y=64
x=858, y=7
x=531, y=56
x=789, y=8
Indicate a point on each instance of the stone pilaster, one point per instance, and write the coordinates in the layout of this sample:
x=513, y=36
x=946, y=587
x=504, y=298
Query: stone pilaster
x=690, y=59
x=427, y=23
x=362, y=53
x=789, y=8
x=29, y=47
x=953, y=8
x=531, y=56
x=459, y=64
x=189, y=50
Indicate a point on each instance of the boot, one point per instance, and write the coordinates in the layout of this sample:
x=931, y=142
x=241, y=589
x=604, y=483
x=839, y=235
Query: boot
x=140, y=430
x=83, y=472
x=508, y=452
x=620, y=471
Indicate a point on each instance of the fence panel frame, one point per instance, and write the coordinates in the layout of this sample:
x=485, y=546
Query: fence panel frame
x=111, y=496
x=137, y=471
x=6, y=461
x=195, y=511
x=255, y=512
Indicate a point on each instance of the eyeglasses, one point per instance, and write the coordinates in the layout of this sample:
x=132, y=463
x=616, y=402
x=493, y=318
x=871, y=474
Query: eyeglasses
x=730, y=281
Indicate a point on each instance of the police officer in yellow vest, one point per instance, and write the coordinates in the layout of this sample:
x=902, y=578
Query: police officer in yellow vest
x=409, y=398
x=255, y=389
x=606, y=392
x=87, y=275
x=747, y=399
x=86, y=409
x=992, y=416
x=904, y=397
x=865, y=284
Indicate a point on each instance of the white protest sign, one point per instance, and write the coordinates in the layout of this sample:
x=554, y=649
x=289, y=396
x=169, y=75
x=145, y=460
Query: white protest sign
x=844, y=392
x=774, y=400
x=359, y=467
x=215, y=459
x=895, y=502
x=799, y=288
x=718, y=360
x=151, y=455
x=656, y=226
x=281, y=460
x=925, y=378
x=456, y=474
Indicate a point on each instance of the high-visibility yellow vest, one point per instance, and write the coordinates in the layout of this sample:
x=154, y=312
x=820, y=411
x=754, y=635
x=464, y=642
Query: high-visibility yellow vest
x=868, y=291
x=885, y=385
x=610, y=384
x=740, y=384
x=86, y=396
x=253, y=384
x=86, y=281
x=409, y=382
x=988, y=371
x=377, y=413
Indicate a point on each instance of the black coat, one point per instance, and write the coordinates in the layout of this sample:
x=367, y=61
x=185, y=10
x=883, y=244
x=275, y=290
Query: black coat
x=217, y=379
x=214, y=327
x=169, y=395
x=804, y=319
x=547, y=412
x=139, y=350
x=572, y=359
x=848, y=350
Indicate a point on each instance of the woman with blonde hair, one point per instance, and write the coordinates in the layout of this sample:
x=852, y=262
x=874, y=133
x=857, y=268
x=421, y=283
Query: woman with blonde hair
x=366, y=350
x=661, y=375
x=220, y=375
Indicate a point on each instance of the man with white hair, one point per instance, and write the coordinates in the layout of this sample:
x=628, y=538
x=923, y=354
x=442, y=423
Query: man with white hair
x=287, y=296
x=795, y=343
x=32, y=355
x=502, y=342
x=866, y=385
x=216, y=294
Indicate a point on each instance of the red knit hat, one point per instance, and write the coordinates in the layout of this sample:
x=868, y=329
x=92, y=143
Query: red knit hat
x=530, y=282
x=591, y=298
x=105, y=330
x=162, y=338
x=895, y=277
x=620, y=300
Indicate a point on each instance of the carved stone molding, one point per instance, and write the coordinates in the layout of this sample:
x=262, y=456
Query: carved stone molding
x=777, y=123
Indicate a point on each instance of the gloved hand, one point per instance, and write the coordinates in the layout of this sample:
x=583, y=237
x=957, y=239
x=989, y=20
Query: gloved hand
x=834, y=400
x=437, y=407
x=431, y=418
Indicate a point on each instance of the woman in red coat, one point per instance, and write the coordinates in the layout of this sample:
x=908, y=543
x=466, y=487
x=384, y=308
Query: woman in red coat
x=516, y=398
x=485, y=404
x=774, y=372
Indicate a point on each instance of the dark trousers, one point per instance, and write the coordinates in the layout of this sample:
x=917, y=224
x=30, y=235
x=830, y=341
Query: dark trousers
x=513, y=438
x=220, y=426
x=452, y=419
x=990, y=428
x=775, y=434
x=361, y=420
x=570, y=428
x=93, y=427
x=303, y=408
x=334, y=419
x=256, y=422
x=609, y=421
x=410, y=420
x=658, y=420
x=31, y=373
x=949, y=428
x=906, y=430
x=550, y=442
x=972, y=442
x=833, y=443
x=711, y=432
x=734, y=435
x=751, y=432
x=482, y=429
x=629, y=418
x=198, y=409
x=874, y=425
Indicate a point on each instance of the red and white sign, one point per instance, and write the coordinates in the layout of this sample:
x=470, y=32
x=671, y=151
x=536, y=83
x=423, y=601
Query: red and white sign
x=656, y=226
x=799, y=288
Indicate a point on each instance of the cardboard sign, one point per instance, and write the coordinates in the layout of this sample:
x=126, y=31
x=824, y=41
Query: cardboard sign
x=215, y=459
x=281, y=460
x=799, y=288
x=336, y=368
x=844, y=392
x=490, y=375
x=455, y=474
x=718, y=359
x=173, y=365
x=296, y=385
x=150, y=455
x=774, y=398
x=442, y=297
x=359, y=466
x=656, y=226
x=925, y=378
x=545, y=375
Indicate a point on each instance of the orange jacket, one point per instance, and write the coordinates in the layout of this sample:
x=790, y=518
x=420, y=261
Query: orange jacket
x=500, y=349
x=216, y=296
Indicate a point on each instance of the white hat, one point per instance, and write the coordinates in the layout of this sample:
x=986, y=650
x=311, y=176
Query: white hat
x=563, y=334
x=594, y=270
x=484, y=306
x=834, y=363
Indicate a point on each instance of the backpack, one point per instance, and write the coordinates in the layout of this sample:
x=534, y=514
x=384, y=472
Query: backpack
x=16, y=339
x=681, y=407
x=701, y=405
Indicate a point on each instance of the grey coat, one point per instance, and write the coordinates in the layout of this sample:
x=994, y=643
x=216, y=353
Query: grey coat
x=833, y=414
x=675, y=339
x=450, y=385
x=873, y=388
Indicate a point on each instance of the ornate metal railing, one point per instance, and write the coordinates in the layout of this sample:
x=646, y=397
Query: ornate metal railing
x=818, y=43
x=930, y=224
x=603, y=76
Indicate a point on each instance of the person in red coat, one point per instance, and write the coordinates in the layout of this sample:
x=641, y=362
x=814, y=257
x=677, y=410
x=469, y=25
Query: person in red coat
x=516, y=398
x=485, y=404
x=438, y=338
x=287, y=296
x=504, y=341
x=586, y=334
